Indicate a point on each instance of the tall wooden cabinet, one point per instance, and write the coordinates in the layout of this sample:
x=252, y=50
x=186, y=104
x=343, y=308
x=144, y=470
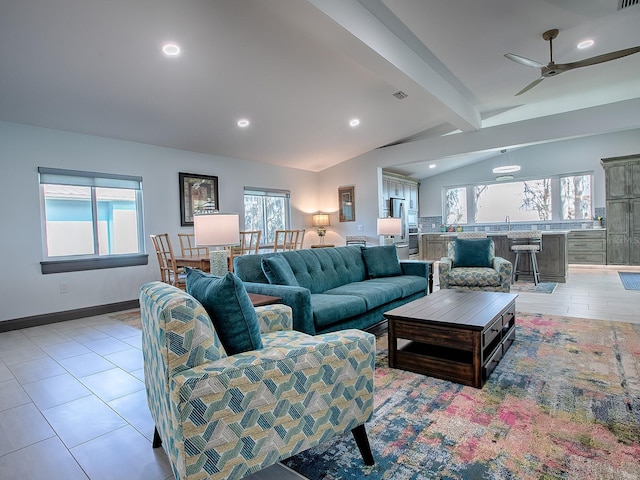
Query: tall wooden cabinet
x=622, y=182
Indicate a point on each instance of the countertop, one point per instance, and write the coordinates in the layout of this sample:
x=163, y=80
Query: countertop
x=504, y=234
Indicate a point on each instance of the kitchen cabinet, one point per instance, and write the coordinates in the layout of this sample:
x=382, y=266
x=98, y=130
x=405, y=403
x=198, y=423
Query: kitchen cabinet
x=622, y=185
x=413, y=196
x=396, y=186
x=587, y=247
x=433, y=246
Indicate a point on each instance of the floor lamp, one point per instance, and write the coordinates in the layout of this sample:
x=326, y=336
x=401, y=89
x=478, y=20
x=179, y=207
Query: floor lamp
x=389, y=227
x=217, y=230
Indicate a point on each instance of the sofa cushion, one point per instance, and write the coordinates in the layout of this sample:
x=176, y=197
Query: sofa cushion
x=278, y=271
x=381, y=261
x=330, y=309
x=228, y=304
x=408, y=284
x=374, y=294
x=472, y=252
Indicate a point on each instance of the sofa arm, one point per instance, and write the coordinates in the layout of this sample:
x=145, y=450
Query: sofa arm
x=298, y=298
x=444, y=270
x=415, y=267
x=327, y=381
x=505, y=269
x=273, y=318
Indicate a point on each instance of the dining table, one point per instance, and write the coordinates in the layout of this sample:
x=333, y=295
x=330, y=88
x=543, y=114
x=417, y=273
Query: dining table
x=200, y=262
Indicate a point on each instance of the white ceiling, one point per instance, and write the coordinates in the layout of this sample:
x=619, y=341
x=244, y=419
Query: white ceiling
x=300, y=70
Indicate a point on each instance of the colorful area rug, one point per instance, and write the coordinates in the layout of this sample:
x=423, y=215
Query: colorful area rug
x=563, y=403
x=630, y=280
x=530, y=287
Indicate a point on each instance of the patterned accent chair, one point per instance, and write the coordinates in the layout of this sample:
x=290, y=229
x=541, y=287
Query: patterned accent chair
x=225, y=417
x=496, y=278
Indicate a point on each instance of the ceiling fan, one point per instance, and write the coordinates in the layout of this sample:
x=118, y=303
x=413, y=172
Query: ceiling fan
x=552, y=69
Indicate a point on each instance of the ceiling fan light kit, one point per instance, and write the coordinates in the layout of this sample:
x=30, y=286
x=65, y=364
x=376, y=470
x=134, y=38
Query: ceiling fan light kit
x=552, y=69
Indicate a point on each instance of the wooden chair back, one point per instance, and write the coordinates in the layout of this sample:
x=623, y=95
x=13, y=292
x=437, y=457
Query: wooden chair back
x=288, y=240
x=249, y=243
x=188, y=246
x=169, y=271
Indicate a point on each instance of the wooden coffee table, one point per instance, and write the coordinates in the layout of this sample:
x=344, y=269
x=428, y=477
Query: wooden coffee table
x=452, y=334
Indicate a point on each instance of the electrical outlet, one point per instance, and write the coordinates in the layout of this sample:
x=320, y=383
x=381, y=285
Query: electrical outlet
x=64, y=287
x=433, y=225
x=361, y=228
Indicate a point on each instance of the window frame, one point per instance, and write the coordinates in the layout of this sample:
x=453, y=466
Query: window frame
x=556, y=213
x=94, y=261
x=265, y=192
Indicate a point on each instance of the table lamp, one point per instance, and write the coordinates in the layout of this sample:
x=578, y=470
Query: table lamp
x=388, y=227
x=217, y=230
x=320, y=220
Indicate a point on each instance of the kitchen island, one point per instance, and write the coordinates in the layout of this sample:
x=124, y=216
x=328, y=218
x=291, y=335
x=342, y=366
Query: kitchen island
x=552, y=261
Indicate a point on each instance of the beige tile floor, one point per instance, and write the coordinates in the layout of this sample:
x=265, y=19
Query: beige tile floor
x=73, y=405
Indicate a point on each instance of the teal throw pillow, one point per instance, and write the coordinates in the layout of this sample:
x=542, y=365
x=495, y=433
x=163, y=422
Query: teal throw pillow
x=228, y=304
x=382, y=261
x=472, y=252
x=278, y=271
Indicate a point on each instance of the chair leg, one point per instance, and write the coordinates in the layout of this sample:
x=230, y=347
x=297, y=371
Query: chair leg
x=534, y=267
x=514, y=277
x=360, y=435
x=157, y=441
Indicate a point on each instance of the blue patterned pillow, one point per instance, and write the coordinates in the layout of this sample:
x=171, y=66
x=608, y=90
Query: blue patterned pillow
x=228, y=304
x=382, y=261
x=472, y=252
x=278, y=271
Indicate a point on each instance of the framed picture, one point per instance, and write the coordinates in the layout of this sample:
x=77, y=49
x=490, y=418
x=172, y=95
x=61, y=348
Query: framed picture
x=347, y=202
x=197, y=192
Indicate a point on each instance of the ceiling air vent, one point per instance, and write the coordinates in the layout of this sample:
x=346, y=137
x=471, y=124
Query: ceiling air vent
x=622, y=4
x=400, y=95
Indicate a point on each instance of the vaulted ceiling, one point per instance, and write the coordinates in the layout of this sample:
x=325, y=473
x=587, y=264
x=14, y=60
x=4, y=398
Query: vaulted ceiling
x=301, y=70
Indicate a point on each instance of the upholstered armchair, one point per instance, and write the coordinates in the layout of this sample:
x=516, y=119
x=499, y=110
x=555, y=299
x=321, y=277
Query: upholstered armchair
x=222, y=416
x=465, y=272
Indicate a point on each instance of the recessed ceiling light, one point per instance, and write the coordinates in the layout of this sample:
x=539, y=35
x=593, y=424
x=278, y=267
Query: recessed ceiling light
x=585, y=44
x=354, y=122
x=432, y=165
x=171, y=49
x=507, y=169
x=243, y=123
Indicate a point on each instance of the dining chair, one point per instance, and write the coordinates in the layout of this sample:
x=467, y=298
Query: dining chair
x=169, y=272
x=249, y=243
x=188, y=246
x=288, y=240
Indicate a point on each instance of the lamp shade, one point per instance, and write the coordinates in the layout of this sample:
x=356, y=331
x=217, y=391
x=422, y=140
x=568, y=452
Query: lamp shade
x=320, y=220
x=389, y=226
x=216, y=229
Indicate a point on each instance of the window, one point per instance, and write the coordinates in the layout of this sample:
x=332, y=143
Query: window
x=90, y=220
x=520, y=201
x=267, y=211
x=455, y=205
x=575, y=197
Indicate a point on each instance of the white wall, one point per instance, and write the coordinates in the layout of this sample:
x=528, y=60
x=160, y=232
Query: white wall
x=567, y=156
x=25, y=291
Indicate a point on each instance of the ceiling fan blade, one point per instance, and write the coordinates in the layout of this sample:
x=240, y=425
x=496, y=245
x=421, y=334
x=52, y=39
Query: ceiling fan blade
x=523, y=60
x=530, y=86
x=601, y=58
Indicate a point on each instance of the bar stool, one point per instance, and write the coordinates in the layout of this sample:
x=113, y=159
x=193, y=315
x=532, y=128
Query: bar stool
x=527, y=242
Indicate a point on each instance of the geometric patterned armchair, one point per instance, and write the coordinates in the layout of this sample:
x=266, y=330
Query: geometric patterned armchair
x=225, y=417
x=496, y=278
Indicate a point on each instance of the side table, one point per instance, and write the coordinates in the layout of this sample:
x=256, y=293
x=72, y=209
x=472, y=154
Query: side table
x=259, y=300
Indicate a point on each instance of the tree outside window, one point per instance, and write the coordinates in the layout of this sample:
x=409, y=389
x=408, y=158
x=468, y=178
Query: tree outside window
x=455, y=206
x=267, y=211
x=575, y=197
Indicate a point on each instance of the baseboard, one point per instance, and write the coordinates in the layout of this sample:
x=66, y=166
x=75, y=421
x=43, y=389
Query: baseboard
x=47, y=318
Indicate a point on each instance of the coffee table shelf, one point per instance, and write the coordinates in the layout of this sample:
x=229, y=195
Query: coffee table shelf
x=454, y=335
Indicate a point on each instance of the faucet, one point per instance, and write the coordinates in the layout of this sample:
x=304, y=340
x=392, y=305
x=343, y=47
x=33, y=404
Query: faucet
x=508, y=220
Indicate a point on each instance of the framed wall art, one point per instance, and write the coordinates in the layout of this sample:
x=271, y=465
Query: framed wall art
x=197, y=192
x=347, y=202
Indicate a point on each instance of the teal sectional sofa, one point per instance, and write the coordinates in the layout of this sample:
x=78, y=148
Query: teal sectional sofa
x=330, y=289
